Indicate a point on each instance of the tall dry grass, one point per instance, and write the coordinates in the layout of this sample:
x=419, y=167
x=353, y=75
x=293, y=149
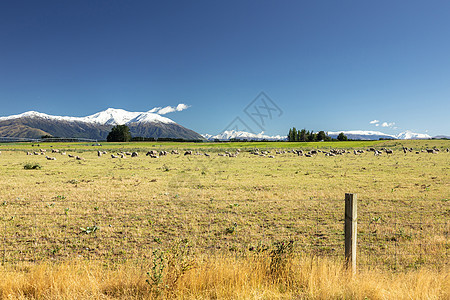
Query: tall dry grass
x=223, y=278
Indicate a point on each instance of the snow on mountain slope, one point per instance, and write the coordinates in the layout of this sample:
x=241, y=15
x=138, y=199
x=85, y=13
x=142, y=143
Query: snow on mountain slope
x=375, y=135
x=361, y=132
x=241, y=135
x=409, y=135
x=110, y=116
x=351, y=134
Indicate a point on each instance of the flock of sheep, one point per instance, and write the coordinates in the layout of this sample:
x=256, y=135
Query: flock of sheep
x=235, y=153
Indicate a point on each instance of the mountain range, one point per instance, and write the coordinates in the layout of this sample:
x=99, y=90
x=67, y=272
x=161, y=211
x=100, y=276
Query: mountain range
x=34, y=124
x=351, y=134
x=148, y=124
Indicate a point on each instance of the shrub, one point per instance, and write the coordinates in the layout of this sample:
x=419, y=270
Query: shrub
x=32, y=166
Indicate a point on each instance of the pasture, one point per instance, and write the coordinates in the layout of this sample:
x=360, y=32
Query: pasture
x=121, y=211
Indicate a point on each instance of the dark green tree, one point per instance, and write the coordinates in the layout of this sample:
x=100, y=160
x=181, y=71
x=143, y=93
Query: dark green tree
x=311, y=136
x=302, y=135
x=321, y=136
x=119, y=133
x=341, y=137
x=295, y=134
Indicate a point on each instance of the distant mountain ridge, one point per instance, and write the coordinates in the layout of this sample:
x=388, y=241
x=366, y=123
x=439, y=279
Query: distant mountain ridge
x=351, y=134
x=376, y=135
x=242, y=135
x=34, y=124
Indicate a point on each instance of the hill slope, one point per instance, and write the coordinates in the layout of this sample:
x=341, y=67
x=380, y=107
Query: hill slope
x=97, y=126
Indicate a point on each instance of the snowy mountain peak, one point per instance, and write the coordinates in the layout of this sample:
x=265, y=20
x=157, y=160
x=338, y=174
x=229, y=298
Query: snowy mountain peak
x=241, y=135
x=351, y=134
x=409, y=135
x=370, y=135
x=110, y=116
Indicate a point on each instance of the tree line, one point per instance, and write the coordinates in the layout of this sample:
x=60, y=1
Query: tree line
x=304, y=135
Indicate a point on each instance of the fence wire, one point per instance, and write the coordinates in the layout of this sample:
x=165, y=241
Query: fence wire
x=391, y=234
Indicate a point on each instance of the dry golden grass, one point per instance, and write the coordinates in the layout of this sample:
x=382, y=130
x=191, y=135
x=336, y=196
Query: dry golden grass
x=223, y=206
x=223, y=278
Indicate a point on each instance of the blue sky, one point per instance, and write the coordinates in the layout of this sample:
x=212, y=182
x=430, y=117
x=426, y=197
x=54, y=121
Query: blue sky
x=326, y=65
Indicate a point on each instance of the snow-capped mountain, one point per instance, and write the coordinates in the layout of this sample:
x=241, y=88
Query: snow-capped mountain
x=409, y=135
x=362, y=134
x=376, y=135
x=351, y=134
x=34, y=124
x=110, y=116
x=242, y=135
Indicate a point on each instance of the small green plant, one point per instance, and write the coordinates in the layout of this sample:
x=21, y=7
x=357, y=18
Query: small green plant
x=376, y=219
x=169, y=266
x=60, y=197
x=89, y=229
x=231, y=229
x=280, y=258
x=157, y=272
x=66, y=211
x=32, y=166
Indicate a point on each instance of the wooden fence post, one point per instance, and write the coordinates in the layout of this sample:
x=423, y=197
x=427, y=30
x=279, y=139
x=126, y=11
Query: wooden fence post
x=351, y=218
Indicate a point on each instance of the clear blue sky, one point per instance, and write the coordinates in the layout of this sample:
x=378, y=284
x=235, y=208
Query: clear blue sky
x=327, y=65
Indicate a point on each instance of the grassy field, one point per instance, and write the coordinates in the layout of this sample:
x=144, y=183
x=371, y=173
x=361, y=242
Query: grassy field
x=227, y=214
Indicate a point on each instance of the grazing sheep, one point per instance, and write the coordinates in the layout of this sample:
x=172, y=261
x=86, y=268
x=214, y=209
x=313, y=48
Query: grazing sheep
x=122, y=155
x=78, y=158
x=206, y=154
x=70, y=155
x=50, y=158
x=29, y=153
x=389, y=151
x=188, y=152
x=99, y=153
x=221, y=154
x=114, y=156
x=431, y=151
x=134, y=154
x=128, y=153
x=175, y=152
x=152, y=152
x=55, y=151
x=42, y=150
x=271, y=156
x=308, y=155
x=162, y=153
x=63, y=153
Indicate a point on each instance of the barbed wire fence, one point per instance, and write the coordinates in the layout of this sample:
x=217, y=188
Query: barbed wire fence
x=393, y=234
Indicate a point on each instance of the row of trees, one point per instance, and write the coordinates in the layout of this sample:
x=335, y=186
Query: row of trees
x=304, y=135
x=307, y=136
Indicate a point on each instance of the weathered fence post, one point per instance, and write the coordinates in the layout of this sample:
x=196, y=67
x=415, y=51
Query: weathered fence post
x=350, y=231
